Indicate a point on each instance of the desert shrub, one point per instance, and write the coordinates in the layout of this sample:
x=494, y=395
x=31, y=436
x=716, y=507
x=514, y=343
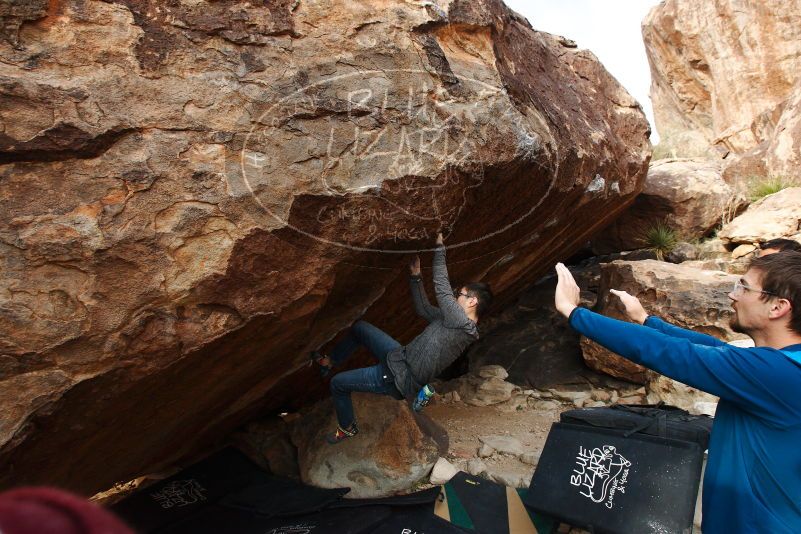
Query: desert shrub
x=762, y=186
x=660, y=238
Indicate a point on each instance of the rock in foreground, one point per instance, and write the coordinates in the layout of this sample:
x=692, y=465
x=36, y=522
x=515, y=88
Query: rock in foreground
x=685, y=296
x=688, y=195
x=390, y=454
x=774, y=216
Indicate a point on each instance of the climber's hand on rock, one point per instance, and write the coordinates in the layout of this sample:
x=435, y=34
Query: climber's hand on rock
x=414, y=266
x=567, y=293
x=440, y=240
x=634, y=308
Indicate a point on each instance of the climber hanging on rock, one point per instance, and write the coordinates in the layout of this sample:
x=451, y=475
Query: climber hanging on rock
x=403, y=370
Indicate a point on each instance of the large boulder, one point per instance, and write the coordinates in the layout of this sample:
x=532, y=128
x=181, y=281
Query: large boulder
x=195, y=194
x=776, y=215
x=688, y=195
x=394, y=449
x=721, y=71
x=685, y=296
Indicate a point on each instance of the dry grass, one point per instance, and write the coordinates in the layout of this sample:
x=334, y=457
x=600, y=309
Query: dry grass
x=760, y=187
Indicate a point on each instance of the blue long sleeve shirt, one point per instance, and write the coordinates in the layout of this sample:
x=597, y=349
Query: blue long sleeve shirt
x=753, y=474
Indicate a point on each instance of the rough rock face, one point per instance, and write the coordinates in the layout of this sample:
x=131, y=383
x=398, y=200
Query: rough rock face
x=688, y=195
x=684, y=296
x=721, y=71
x=776, y=215
x=15, y=13
x=195, y=194
x=393, y=450
x=784, y=149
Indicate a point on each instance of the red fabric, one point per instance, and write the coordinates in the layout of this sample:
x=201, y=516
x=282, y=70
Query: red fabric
x=53, y=511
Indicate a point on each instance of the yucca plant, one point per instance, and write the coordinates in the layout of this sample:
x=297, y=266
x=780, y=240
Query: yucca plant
x=660, y=238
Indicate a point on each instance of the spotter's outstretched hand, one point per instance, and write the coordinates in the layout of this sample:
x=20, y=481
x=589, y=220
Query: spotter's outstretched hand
x=634, y=308
x=567, y=295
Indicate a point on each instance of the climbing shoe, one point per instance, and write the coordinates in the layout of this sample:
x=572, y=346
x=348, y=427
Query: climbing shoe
x=317, y=358
x=423, y=398
x=341, y=434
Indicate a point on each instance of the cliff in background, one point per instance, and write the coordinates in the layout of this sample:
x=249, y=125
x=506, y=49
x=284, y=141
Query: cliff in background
x=725, y=79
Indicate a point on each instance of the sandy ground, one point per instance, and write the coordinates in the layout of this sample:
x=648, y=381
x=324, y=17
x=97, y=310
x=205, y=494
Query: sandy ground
x=465, y=424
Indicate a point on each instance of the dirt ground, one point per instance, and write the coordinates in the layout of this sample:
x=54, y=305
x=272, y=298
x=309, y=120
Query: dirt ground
x=465, y=424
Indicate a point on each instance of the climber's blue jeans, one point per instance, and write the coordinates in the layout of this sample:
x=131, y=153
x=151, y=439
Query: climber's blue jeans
x=374, y=379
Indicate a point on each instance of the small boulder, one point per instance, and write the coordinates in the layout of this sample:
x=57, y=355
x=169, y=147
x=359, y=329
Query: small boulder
x=509, y=477
x=503, y=444
x=485, y=451
x=442, y=472
x=773, y=216
x=569, y=396
x=704, y=408
x=476, y=467
x=675, y=393
x=393, y=450
x=682, y=252
x=716, y=264
x=711, y=249
x=491, y=391
x=545, y=405
x=493, y=371
x=742, y=251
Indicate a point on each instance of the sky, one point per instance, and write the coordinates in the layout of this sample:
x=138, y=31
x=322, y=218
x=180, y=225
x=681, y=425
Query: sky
x=609, y=28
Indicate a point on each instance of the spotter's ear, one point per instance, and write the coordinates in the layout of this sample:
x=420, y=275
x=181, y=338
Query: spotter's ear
x=780, y=307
